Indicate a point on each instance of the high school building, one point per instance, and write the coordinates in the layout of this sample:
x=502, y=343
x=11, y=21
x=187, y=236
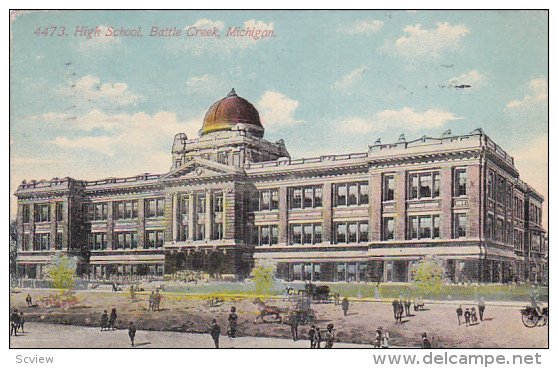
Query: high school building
x=232, y=199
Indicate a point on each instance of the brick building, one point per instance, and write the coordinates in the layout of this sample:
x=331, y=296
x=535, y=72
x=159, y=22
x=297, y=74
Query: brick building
x=232, y=199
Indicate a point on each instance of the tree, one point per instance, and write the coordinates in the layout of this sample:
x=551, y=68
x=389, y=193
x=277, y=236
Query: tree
x=263, y=277
x=13, y=247
x=428, y=275
x=62, y=270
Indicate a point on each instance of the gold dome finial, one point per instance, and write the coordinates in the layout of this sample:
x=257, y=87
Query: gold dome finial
x=232, y=93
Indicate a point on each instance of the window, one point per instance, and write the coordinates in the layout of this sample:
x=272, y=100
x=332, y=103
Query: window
x=217, y=231
x=389, y=188
x=42, y=241
x=25, y=213
x=498, y=236
x=223, y=158
x=388, y=232
x=42, y=212
x=25, y=242
x=351, y=194
x=490, y=184
x=350, y=232
x=184, y=209
x=424, y=185
x=424, y=227
x=98, y=241
x=154, y=239
x=200, y=232
x=97, y=211
x=460, y=225
x=124, y=240
x=126, y=210
x=155, y=207
x=489, y=226
x=200, y=203
x=306, y=233
x=305, y=197
x=267, y=235
x=217, y=202
x=460, y=181
x=266, y=200
x=58, y=241
x=59, y=211
x=296, y=234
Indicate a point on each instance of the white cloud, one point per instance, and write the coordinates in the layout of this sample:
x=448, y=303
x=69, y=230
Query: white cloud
x=474, y=78
x=90, y=89
x=223, y=45
x=277, y=109
x=363, y=27
x=99, y=42
x=537, y=96
x=349, y=79
x=420, y=42
x=204, y=84
x=405, y=118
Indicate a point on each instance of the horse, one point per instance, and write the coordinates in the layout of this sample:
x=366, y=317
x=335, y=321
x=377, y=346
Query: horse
x=266, y=310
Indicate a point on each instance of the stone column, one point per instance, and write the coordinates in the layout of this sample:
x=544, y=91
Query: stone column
x=283, y=213
x=141, y=223
x=169, y=217
x=327, y=213
x=175, y=201
x=208, y=215
x=20, y=227
x=191, y=199
x=446, y=194
x=400, y=205
x=52, y=225
x=375, y=207
x=31, y=226
x=474, y=186
x=110, y=226
x=229, y=203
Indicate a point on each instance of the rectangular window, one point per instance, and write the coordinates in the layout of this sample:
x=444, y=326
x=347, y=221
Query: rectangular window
x=126, y=210
x=154, y=239
x=305, y=197
x=460, y=225
x=341, y=232
x=317, y=233
x=296, y=234
x=388, y=228
x=266, y=200
x=351, y=232
x=25, y=213
x=266, y=235
x=460, y=182
x=58, y=241
x=59, y=211
x=389, y=188
x=274, y=199
x=200, y=232
x=154, y=207
x=223, y=158
x=218, y=202
x=274, y=235
x=490, y=184
x=341, y=190
x=424, y=227
x=352, y=196
x=41, y=242
x=42, y=212
x=424, y=185
x=353, y=227
x=341, y=271
x=436, y=185
x=307, y=233
x=200, y=203
x=25, y=242
x=489, y=226
x=363, y=232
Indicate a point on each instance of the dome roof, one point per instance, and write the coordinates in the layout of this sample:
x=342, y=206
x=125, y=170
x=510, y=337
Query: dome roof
x=226, y=113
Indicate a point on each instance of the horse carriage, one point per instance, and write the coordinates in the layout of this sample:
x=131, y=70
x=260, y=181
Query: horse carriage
x=531, y=317
x=300, y=309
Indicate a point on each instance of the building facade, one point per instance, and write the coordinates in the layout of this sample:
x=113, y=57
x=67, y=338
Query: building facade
x=232, y=199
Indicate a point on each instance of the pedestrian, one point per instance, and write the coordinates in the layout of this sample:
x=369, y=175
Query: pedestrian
x=425, y=343
x=293, y=322
x=474, y=316
x=329, y=336
x=345, y=306
x=377, y=292
x=112, y=319
x=378, y=339
x=395, y=304
x=467, y=317
x=385, y=339
x=29, y=300
x=158, y=298
x=459, y=312
x=318, y=338
x=152, y=301
x=104, y=321
x=132, y=332
x=215, y=332
x=408, y=307
x=233, y=321
x=132, y=293
x=21, y=322
x=336, y=298
x=400, y=312
x=482, y=307
x=14, y=322
x=312, y=336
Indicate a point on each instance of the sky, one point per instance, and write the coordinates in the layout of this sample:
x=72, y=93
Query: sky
x=324, y=81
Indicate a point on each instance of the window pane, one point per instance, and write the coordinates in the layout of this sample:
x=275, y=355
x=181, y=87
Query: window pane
x=296, y=234
x=317, y=234
x=296, y=198
x=264, y=239
x=363, y=232
x=265, y=200
x=353, y=228
x=318, y=196
x=436, y=184
x=274, y=199
x=353, y=191
x=308, y=196
x=341, y=195
x=425, y=227
x=274, y=235
x=436, y=228
x=341, y=230
x=363, y=193
x=307, y=229
x=413, y=193
x=425, y=185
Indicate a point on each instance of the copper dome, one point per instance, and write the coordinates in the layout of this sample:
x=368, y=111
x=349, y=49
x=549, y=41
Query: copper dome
x=226, y=113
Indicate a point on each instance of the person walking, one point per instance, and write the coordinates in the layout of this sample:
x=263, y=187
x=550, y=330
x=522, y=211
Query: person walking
x=152, y=301
x=132, y=332
x=29, y=300
x=378, y=338
x=482, y=307
x=400, y=313
x=329, y=336
x=408, y=307
x=467, y=315
x=215, y=332
x=385, y=339
x=312, y=336
x=158, y=298
x=21, y=322
x=425, y=343
x=377, y=292
x=318, y=338
x=395, y=304
x=293, y=322
x=104, y=321
x=14, y=322
x=132, y=293
x=345, y=306
x=474, y=319
x=336, y=298
x=112, y=319
x=233, y=321
x=459, y=312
